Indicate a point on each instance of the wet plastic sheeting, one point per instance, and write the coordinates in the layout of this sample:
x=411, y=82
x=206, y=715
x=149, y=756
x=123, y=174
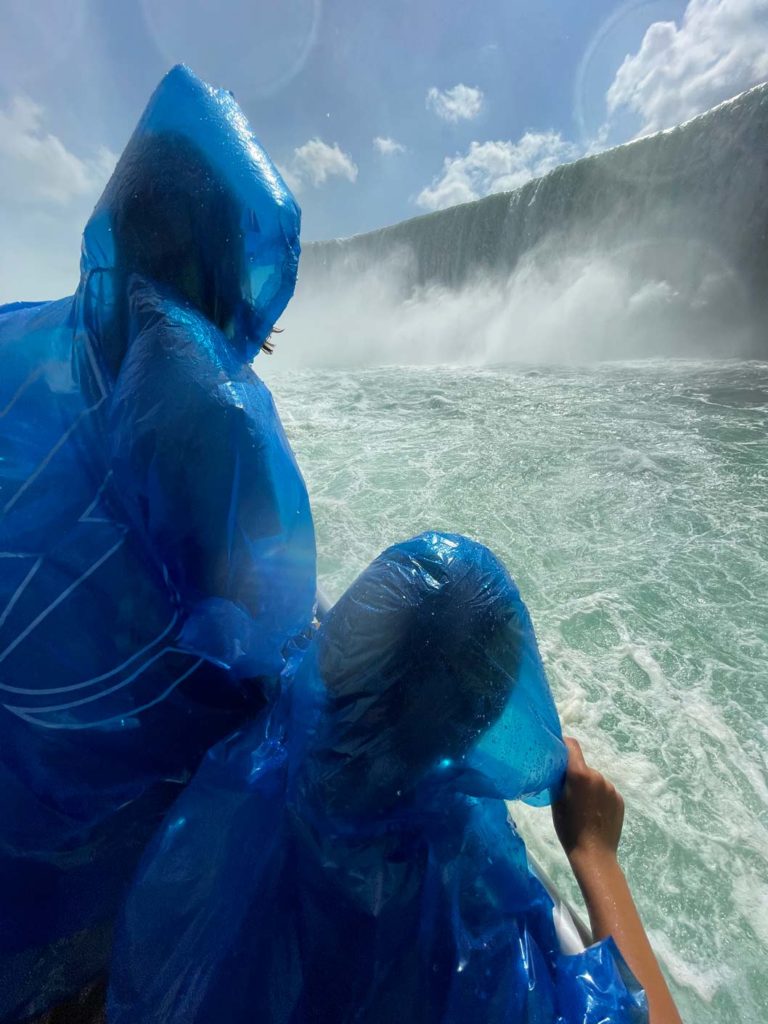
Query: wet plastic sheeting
x=329, y=864
x=446, y=646
x=156, y=544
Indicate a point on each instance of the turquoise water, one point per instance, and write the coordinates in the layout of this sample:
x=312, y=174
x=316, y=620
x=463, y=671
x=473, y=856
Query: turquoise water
x=629, y=502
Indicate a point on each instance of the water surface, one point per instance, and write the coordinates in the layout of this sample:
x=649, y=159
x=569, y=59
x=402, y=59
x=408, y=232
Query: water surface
x=629, y=501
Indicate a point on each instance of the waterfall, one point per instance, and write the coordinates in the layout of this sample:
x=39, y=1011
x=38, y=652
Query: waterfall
x=676, y=223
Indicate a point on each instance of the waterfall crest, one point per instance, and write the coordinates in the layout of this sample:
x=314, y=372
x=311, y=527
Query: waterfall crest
x=676, y=221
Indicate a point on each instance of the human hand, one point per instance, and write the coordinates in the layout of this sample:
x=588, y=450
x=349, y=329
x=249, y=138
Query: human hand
x=590, y=812
x=588, y=819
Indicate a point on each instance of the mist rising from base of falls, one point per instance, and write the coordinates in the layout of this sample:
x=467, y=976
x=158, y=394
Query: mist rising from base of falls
x=558, y=306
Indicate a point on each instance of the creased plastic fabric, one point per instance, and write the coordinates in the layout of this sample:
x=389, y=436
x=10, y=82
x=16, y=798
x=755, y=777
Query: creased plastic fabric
x=327, y=865
x=156, y=544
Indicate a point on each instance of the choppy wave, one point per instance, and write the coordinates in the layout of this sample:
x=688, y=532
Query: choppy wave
x=629, y=501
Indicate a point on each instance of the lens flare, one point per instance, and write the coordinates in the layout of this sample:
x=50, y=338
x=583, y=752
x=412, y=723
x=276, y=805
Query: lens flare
x=255, y=48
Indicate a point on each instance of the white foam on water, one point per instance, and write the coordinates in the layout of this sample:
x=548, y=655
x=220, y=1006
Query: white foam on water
x=704, y=981
x=750, y=895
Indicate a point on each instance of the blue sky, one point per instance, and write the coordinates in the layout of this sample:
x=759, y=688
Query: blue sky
x=464, y=97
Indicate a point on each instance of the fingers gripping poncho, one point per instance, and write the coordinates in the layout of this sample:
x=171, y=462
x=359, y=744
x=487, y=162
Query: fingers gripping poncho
x=156, y=544
x=349, y=859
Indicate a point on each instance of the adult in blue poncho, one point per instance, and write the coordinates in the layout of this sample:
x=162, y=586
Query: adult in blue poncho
x=156, y=543
x=350, y=858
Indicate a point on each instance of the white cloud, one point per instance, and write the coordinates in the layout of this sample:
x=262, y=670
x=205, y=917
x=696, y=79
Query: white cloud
x=387, y=146
x=719, y=49
x=47, y=194
x=461, y=103
x=315, y=162
x=36, y=166
x=499, y=166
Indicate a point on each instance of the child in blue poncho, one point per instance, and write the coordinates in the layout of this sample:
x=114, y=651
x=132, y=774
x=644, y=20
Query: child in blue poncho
x=351, y=859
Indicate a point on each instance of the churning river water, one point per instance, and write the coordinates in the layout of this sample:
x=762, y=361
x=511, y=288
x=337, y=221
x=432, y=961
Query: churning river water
x=629, y=502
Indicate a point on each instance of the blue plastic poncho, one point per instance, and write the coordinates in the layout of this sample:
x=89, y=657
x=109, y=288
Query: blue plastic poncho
x=329, y=865
x=156, y=544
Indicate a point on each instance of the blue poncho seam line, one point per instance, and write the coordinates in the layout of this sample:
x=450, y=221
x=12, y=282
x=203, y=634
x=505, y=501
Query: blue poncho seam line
x=94, y=679
x=120, y=717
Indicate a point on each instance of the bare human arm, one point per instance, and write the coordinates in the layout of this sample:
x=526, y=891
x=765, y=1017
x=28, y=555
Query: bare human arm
x=588, y=819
